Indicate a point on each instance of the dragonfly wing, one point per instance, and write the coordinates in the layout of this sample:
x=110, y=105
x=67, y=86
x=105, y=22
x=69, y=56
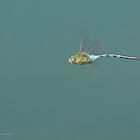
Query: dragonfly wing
x=82, y=44
x=95, y=48
x=84, y=40
x=92, y=68
x=88, y=45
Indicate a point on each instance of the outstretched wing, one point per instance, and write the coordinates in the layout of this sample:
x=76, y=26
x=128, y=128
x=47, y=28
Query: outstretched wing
x=87, y=45
x=95, y=48
x=82, y=44
x=84, y=40
x=92, y=68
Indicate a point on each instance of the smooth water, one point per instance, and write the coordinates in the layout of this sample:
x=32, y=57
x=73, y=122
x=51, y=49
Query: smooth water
x=42, y=96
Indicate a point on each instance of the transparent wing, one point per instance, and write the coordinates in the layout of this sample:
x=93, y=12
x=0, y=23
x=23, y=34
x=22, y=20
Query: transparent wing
x=88, y=45
x=95, y=48
x=82, y=44
x=92, y=68
x=84, y=40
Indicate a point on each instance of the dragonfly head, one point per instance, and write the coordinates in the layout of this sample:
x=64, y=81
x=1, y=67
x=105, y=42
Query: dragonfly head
x=71, y=60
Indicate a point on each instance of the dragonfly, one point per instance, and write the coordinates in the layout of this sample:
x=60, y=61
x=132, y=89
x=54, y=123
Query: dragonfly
x=84, y=57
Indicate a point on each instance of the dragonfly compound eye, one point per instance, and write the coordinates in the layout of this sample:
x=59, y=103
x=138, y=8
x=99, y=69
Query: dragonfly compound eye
x=71, y=59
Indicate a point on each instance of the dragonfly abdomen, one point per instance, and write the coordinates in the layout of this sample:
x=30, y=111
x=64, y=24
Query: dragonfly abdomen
x=120, y=56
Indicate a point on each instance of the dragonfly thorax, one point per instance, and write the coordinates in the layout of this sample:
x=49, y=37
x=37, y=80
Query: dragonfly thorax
x=80, y=59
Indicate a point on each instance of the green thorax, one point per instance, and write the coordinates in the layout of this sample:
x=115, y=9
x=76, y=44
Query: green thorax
x=82, y=58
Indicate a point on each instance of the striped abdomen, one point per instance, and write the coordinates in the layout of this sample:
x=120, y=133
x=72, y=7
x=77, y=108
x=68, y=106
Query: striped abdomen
x=120, y=56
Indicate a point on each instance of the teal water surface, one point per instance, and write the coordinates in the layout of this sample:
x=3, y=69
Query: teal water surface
x=42, y=96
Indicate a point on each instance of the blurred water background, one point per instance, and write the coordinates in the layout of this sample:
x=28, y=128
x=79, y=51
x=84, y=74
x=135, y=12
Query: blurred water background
x=44, y=97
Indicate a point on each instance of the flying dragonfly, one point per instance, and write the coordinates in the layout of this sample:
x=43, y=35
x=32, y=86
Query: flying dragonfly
x=84, y=57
